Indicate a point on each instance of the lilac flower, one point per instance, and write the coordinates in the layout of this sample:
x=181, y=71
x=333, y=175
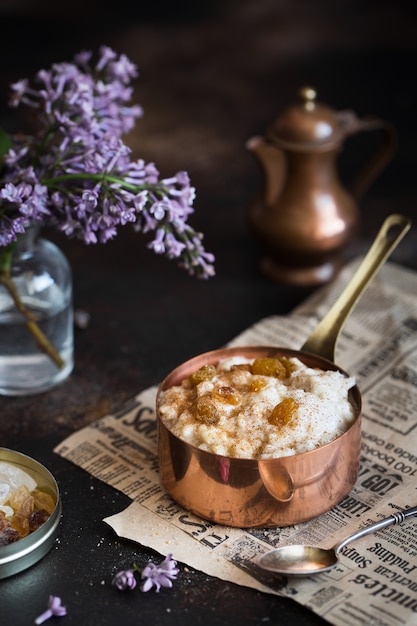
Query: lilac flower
x=55, y=608
x=124, y=580
x=107, y=55
x=160, y=575
x=76, y=174
x=152, y=575
x=11, y=193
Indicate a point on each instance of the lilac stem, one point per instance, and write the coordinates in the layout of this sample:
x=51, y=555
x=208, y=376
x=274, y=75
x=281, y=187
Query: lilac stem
x=44, y=616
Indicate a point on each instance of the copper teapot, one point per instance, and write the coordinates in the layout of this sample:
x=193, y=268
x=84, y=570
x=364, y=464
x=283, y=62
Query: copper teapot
x=305, y=217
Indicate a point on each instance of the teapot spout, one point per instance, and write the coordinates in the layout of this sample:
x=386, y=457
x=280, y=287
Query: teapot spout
x=272, y=163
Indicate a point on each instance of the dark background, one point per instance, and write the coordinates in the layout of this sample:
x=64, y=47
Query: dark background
x=212, y=74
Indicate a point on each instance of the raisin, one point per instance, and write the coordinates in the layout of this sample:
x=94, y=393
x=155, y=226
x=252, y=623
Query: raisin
x=269, y=367
x=279, y=367
x=226, y=394
x=257, y=384
x=241, y=367
x=289, y=365
x=283, y=412
x=207, y=372
x=205, y=411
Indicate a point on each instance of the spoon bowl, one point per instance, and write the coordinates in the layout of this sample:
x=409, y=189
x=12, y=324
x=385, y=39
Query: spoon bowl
x=300, y=560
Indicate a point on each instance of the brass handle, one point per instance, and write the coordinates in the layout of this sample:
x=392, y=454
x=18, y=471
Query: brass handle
x=322, y=340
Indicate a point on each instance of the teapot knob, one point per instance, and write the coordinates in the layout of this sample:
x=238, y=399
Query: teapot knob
x=308, y=96
x=307, y=125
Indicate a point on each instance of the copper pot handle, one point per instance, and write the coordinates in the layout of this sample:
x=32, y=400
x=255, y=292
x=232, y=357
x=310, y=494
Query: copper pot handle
x=322, y=340
x=386, y=150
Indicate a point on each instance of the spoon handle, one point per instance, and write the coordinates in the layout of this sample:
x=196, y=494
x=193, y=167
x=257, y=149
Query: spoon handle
x=396, y=518
x=323, y=339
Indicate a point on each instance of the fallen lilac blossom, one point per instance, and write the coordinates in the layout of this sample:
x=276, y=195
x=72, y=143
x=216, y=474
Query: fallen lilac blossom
x=55, y=609
x=152, y=575
x=124, y=580
x=160, y=575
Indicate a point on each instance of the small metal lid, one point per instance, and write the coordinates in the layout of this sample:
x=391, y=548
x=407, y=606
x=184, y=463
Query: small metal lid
x=25, y=552
x=306, y=125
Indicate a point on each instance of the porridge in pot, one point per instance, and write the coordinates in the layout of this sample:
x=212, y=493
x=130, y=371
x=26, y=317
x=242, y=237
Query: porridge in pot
x=258, y=408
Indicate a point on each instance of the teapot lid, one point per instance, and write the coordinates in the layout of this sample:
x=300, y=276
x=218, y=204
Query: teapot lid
x=306, y=125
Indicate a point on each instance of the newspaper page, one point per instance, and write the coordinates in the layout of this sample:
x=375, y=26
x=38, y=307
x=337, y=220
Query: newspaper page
x=375, y=580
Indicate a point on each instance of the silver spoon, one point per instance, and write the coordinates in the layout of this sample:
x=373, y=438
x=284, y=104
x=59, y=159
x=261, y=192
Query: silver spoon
x=306, y=560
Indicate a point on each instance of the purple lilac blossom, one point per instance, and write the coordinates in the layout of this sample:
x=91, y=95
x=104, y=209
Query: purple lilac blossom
x=160, y=575
x=124, y=580
x=55, y=608
x=76, y=174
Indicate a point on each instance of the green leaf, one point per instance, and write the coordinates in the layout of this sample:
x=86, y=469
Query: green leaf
x=5, y=142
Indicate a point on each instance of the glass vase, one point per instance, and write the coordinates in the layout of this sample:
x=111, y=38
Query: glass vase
x=36, y=342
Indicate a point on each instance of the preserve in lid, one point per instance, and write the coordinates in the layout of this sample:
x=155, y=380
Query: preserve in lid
x=25, y=552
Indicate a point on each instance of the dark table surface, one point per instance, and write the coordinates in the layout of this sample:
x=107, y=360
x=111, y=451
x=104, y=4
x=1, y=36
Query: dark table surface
x=212, y=75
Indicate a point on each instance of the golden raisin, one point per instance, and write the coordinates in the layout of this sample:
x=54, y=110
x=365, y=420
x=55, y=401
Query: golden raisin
x=226, y=394
x=204, y=410
x=278, y=367
x=241, y=367
x=289, y=365
x=267, y=366
x=283, y=412
x=257, y=384
x=207, y=372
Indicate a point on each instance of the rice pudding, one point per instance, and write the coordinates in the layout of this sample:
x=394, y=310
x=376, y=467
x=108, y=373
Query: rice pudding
x=258, y=408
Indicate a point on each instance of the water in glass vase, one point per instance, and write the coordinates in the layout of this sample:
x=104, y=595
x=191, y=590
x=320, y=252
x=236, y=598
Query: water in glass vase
x=24, y=368
x=41, y=278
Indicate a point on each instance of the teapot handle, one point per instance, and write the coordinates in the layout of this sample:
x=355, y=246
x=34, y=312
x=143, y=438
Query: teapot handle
x=353, y=125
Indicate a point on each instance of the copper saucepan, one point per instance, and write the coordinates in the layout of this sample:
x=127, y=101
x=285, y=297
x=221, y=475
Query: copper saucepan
x=277, y=491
